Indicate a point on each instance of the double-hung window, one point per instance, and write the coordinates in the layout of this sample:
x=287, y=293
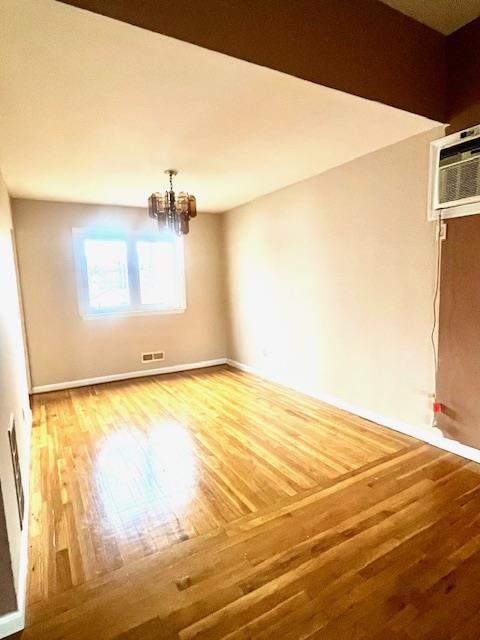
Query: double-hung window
x=128, y=273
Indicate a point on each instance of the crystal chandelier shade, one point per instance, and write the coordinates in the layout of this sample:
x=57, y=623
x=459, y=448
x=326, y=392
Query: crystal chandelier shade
x=172, y=211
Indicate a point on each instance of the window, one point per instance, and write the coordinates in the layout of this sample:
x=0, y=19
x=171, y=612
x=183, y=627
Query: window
x=107, y=273
x=128, y=273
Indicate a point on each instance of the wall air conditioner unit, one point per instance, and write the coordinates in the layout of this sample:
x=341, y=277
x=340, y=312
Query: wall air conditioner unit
x=455, y=175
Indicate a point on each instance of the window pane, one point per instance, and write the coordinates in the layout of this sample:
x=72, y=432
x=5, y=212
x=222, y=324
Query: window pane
x=157, y=273
x=107, y=273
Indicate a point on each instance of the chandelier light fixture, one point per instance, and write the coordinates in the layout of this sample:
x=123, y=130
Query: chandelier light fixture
x=172, y=212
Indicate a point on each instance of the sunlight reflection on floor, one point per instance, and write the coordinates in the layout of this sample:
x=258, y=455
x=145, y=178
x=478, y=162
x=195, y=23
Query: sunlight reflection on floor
x=141, y=474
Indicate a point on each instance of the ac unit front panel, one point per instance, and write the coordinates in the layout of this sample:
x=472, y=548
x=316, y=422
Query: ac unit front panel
x=455, y=176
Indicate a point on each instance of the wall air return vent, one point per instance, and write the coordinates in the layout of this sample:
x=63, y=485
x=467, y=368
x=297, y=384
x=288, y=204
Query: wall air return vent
x=17, y=472
x=153, y=356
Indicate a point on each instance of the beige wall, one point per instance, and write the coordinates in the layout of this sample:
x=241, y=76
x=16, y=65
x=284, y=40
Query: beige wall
x=65, y=346
x=330, y=287
x=13, y=384
x=331, y=283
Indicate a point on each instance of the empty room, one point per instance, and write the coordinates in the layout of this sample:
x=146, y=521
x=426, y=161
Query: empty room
x=239, y=319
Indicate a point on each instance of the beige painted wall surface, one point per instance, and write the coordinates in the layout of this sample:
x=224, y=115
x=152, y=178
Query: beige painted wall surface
x=331, y=283
x=65, y=346
x=13, y=381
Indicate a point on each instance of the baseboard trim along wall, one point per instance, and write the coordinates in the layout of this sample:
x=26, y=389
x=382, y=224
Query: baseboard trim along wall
x=431, y=436
x=70, y=384
x=13, y=622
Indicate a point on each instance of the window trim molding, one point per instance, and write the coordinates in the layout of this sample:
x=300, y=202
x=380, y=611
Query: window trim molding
x=135, y=308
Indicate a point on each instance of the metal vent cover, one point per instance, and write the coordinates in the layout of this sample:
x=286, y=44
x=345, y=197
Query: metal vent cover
x=458, y=181
x=152, y=356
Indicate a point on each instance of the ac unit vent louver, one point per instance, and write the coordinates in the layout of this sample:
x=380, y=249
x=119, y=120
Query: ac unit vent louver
x=459, y=181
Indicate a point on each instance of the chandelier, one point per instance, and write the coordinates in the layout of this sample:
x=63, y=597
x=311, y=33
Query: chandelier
x=172, y=212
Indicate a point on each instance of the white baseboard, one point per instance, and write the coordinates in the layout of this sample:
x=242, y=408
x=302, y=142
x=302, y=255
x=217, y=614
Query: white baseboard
x=13, y=622
x=70, y=384
x=432, y=436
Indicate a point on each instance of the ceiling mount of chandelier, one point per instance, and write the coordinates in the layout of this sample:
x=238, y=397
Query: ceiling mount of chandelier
x=172, y=212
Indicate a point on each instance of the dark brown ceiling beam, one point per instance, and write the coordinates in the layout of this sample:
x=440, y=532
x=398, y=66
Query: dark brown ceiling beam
x=463, y=69
x=362, y=47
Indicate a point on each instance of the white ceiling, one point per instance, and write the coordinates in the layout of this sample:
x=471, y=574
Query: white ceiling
x=93, y=110
x=445, y=16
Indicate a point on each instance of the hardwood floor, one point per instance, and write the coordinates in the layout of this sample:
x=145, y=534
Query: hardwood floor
x=215, y=505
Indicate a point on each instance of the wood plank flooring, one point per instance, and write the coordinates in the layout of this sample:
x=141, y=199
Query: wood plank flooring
x=215, y=505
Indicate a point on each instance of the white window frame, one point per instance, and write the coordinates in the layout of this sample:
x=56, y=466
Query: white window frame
x=135, y=308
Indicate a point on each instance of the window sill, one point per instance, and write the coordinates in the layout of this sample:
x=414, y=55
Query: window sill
x=132, y=314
